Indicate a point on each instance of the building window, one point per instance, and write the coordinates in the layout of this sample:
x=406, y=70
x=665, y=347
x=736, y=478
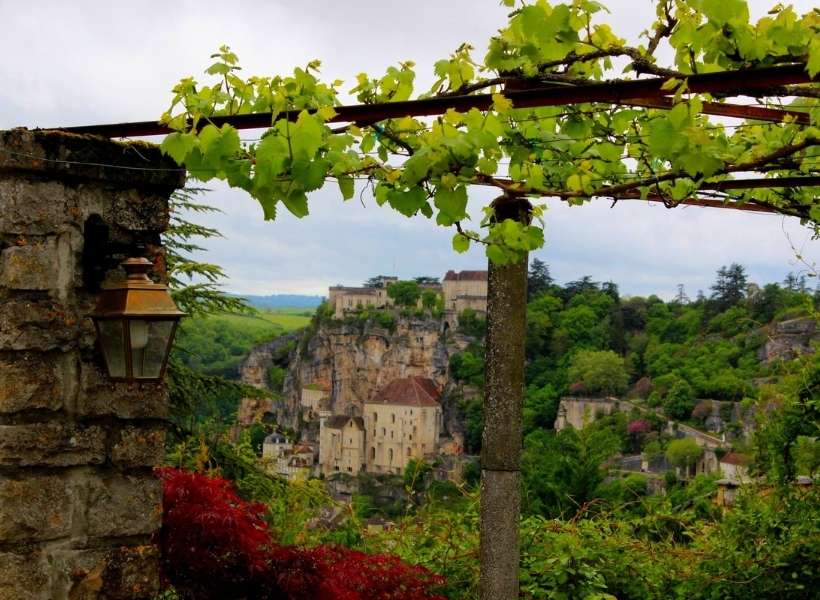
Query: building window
x=372, y=453
x=393, y=417
x=391, y=434
x=375, y=417
x=390, y=455
x=408, y=451
x=384, y=431
x=411, y=437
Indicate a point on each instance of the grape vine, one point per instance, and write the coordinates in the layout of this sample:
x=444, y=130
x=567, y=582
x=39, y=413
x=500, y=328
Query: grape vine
x=574, y=152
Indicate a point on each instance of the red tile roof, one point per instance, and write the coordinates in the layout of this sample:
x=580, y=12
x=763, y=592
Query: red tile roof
x=409, y=391
x=466, y=276
x=733, y=458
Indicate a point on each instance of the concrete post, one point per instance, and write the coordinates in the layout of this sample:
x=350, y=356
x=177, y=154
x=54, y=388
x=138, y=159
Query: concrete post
x=503, y=407
x=79, y=503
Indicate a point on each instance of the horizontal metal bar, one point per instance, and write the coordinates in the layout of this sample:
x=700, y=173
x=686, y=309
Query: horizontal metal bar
x=615, y=92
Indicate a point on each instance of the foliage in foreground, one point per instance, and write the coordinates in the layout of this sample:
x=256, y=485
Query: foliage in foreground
x=215, y=545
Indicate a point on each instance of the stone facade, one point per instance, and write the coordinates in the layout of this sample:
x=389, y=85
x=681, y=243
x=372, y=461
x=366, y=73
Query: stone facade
x=315, y=399
x=463, y=290
x=403, y=422
x=341, y=445
x=79, y=503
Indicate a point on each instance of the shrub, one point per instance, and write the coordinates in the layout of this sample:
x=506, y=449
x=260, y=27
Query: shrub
x=215, y=545
x=642, y=388
x=702, y=410
x=638, y=427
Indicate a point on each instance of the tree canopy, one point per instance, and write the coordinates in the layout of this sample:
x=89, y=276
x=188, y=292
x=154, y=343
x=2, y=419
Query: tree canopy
x=574, y=151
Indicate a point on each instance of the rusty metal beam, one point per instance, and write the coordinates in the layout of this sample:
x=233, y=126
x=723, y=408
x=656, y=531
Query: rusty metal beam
x=614, y=92
x=739, y=111
x=729, y=184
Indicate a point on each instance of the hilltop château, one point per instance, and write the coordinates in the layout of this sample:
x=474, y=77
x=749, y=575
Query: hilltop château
x=459, y=291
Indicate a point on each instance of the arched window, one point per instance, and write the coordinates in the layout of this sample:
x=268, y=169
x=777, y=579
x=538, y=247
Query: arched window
x=375, y=417
x=390, y=455
x=393, y=416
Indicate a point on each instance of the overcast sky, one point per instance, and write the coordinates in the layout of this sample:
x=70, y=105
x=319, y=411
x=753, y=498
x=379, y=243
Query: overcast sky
x=83, y=62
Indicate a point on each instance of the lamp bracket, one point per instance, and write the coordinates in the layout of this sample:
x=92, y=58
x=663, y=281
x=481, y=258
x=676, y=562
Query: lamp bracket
x=101, y=253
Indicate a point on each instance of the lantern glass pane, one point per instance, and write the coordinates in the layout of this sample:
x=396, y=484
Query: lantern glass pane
x=149, y=345
x=113, y=346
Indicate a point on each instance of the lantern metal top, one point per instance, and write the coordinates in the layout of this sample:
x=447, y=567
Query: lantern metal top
x=137, y=296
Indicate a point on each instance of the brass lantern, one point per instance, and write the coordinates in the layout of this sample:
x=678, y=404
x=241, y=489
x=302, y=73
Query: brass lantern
x=136, y=320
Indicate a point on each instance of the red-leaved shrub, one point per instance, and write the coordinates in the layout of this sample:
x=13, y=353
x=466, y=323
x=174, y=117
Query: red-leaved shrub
x=217, y=545
x=638, y=427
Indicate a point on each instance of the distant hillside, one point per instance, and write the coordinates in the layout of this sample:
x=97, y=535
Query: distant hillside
x=283, y=300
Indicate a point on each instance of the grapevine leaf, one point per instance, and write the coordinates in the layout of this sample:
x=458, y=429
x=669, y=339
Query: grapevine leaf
x=461, y=243
x=178, y=145
x=346, y=186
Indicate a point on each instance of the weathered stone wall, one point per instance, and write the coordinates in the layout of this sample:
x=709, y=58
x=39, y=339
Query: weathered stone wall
x=78, y=499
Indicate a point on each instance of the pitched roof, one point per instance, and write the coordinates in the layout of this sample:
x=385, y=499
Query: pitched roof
x=409, y=391
x=733, y=458
x=340, y=421
x=365, y=291
x=275, y=438
x=466, y=276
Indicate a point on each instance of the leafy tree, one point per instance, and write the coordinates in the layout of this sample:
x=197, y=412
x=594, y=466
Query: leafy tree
x=540, y=407
x=472, y=323
x=680, y=400
x=539, y=279
x=601, y=372
x=404, y=293
x=429, y=299
x=375, y=282
x=563, y=471
x=426, y=280
x=468, y=366
x=684, y=453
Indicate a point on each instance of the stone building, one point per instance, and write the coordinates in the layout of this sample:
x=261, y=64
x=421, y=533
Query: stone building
x=280, y=457
x=463, y=290
x=341, y=444
x=403, y=421
x=315, y=399
x=274, y=446
x=345, y=299
x=735, y=467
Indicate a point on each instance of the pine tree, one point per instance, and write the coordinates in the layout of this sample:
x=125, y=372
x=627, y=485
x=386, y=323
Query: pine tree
x=730, y=286
x=539, y=279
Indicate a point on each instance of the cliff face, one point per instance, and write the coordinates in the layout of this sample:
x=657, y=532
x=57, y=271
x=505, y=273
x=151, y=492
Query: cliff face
x=254, y=372
x=358, y=360
x=789, y=339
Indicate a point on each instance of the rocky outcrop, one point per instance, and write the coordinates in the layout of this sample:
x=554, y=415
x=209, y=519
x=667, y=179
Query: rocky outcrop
x=359, y=359
x=254, y=369
x=789, y=339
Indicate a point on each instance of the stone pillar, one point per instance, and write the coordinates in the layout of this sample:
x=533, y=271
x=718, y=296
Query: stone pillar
x=79, y=503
